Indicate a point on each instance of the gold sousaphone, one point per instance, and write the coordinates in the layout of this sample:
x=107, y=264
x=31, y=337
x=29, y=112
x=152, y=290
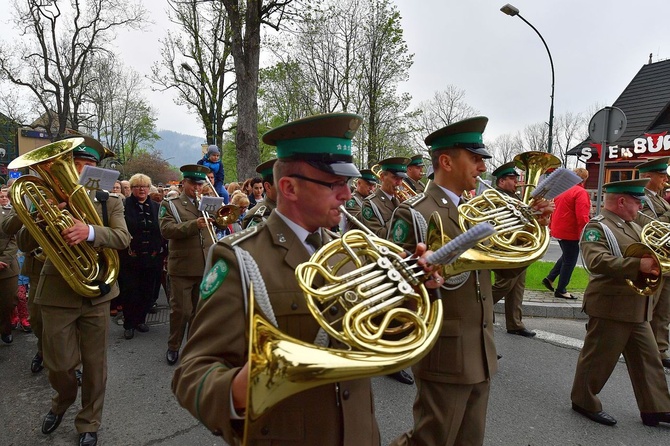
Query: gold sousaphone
x=90, y=272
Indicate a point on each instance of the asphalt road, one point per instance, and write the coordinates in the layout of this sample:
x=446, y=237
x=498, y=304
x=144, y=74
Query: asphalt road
x=529, y=403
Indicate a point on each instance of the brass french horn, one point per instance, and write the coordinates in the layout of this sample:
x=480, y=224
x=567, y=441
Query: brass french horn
x=520, y=236
x=90, y=272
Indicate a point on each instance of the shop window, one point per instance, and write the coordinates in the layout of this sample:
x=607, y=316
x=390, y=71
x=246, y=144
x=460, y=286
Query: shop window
x=619, y=175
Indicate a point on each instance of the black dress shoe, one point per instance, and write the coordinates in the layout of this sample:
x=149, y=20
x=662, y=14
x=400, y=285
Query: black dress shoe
x=88, y=439
x=154, y=308
x=522, y=332
x=499, y=356
x=548, y=285
x=652, y=419
x=7, y=338
x=172, y=357
x=129, y=333
x=666, y=362
x=403, y=377
x=142, y=328
x=36, y=365
x=51, y=422
x=601, y=417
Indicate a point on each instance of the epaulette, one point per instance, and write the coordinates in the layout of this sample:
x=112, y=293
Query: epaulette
x=114, y=194
x=237, y=237
x=598, y=217
x=170, y=198
x=416, y=199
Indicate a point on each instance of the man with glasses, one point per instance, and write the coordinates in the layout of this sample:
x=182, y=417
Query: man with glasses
x=261, y=211
x=185, y=228
x=379, y=206
x=618, y=316
x=311, y=177
x=656, y=208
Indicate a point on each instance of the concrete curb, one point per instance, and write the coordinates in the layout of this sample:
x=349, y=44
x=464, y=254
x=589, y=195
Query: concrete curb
x=544, y=304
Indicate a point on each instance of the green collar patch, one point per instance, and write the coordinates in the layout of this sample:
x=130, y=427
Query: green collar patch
x=350, y=204
x=400, y=231
x=591, y=235
x=368, y=213
x=213, y=279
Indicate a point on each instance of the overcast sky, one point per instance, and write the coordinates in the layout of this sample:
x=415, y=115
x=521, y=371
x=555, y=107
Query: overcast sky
x=597, y=47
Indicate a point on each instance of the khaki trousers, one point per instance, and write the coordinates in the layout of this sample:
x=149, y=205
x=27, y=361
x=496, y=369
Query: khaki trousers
x=8, y=301
x=447, y=414
x=72, y=336
x=184, y=294
x=605, y=341
x=512, y=290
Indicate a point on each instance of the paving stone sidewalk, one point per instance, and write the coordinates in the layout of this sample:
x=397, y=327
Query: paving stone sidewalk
x=544, y=304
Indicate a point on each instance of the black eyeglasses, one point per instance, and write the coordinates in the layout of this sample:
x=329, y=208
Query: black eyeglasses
x=334, y=186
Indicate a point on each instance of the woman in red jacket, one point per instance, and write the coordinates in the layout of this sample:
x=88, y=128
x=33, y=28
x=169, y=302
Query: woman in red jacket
x=572, y=212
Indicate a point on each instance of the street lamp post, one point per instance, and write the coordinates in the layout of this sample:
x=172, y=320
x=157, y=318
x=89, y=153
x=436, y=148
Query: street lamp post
x=512, y=11
x=212, y=116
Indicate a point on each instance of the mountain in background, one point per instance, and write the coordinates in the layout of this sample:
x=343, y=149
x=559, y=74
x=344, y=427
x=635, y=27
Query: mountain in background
x=179, y=149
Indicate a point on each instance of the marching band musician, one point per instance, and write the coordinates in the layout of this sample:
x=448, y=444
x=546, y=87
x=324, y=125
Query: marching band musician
x=185, y=228
x=379, y=206
x=75, y=328
x=261, y=211
x=453, y=380
x=656, y=208
x=365, y=185
x=415, y=173
x=510, y=283
x=618, y=316
x=311, y=174
x=9, y=273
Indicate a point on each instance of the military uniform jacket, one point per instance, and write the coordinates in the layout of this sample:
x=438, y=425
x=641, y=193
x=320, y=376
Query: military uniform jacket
x=32, y=266
x=417, y=186
x=52, y=289
x=607, y=295
x=354, y=206
x=8, y=245
x=655, y=207
x=465, y=352
x=377, y=211
x=217, y=348
x=187, y=245
x=258, y=213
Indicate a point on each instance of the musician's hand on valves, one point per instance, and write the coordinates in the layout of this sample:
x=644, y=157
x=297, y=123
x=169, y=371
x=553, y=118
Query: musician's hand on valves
x=543, y=209
x=649, y=265
x=76, y=233
x=3, y=265
x=422, y=253
x=238, y=389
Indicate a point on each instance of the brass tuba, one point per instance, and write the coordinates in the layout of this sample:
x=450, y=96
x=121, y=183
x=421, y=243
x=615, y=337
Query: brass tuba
x=90, y=272
x=519, y=236
x=643, y=284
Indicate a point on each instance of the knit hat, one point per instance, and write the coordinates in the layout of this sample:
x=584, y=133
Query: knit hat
x=213, y=150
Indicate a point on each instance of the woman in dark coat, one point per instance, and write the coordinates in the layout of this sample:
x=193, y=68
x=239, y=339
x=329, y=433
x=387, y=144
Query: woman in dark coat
x=141, y=263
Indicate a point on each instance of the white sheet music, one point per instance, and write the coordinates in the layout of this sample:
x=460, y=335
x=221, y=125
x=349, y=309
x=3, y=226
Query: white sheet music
x=97, y=178
x=210, y=204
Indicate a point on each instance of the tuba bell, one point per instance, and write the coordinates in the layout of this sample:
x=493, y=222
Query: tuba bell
x=90, y=272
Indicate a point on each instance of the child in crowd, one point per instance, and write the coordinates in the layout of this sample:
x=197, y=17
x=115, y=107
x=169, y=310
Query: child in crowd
x=212, y=159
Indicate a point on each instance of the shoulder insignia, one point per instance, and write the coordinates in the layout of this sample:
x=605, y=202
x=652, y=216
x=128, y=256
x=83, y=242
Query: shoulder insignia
x=591, y=235
x=163, y=211
x=350, y=204
x=237, y=237
x=598, y=217
x=214, y=278
x=261, y=210
x=114, y=194
x=368, y=213
x=416, y=199
x=399, y=231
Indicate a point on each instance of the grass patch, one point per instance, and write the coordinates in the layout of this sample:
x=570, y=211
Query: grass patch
x=539, y=270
